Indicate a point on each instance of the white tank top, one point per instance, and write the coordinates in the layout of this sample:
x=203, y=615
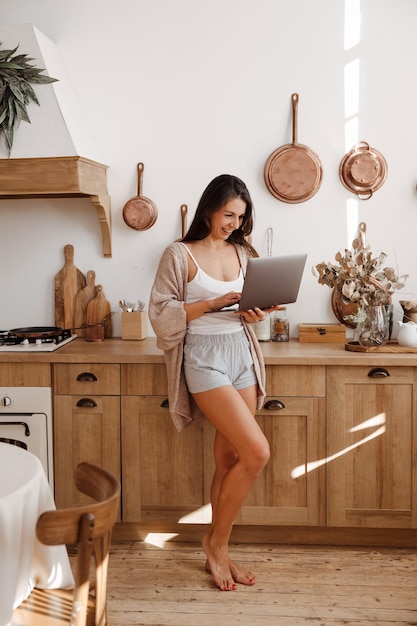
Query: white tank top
x=204, y=287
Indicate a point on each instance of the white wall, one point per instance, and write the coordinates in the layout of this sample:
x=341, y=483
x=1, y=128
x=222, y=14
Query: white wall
x=195, y=89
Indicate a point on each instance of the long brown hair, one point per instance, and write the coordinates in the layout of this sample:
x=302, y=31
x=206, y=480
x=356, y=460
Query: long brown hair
x=218, y=192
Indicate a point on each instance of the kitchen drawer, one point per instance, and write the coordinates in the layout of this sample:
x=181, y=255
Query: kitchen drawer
x=87, y=378
x=296, y=380
x=25, y=375
x=144, y=379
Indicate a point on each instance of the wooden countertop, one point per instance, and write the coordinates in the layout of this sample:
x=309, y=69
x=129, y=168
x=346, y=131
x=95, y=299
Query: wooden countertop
x=116, y=350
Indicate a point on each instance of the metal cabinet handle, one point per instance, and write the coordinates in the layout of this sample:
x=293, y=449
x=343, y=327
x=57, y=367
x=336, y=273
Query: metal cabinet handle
x=378, y=372
x=274, y=405
x=86, y=377
x=86, y=403
x=165, y=403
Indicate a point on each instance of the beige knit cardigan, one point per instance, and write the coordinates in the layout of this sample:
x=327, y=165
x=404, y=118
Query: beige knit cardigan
x=168, y=320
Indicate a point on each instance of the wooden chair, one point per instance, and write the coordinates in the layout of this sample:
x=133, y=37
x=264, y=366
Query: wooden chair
x=89, y=527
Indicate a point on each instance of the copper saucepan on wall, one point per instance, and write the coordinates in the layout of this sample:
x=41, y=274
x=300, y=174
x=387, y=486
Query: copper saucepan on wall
x=293, y=173
x=140, y=213
x=363, y=170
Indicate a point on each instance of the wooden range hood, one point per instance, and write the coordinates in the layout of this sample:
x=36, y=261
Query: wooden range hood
x=60, y=177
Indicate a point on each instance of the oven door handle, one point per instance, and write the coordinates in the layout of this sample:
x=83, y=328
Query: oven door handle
x=24, y=424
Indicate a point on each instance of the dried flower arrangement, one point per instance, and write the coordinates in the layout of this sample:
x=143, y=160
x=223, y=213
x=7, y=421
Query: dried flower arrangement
x=359, y=274
x=16, y=74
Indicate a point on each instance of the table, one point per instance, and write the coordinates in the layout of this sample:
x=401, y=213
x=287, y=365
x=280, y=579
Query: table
x=24, y=561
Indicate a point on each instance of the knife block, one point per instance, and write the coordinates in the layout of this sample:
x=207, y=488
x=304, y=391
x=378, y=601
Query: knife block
x=134, y=325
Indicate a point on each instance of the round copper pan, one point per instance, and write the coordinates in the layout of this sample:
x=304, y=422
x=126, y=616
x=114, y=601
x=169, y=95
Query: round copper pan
x=139, y=212
x=293, y=173
x=363, y=170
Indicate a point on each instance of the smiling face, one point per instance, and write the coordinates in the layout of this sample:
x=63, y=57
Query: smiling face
x=227, y=219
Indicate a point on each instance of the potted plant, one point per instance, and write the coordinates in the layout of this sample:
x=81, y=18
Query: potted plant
x=362, y=289
x=16, y=91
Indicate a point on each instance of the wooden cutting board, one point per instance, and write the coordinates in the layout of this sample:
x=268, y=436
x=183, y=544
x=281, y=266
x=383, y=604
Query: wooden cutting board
x=83, y=297
x=68, y=282
x=97, y=309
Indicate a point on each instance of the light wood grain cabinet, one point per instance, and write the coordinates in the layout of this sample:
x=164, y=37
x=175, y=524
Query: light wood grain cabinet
x=86, y=424
x=343, y=444
x=291, y=489
x=163, y=470
x=372, y=447
x=167, y=475
x=25, y=375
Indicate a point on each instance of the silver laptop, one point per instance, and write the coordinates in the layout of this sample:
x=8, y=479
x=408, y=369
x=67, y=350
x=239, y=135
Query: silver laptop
x=272, y=280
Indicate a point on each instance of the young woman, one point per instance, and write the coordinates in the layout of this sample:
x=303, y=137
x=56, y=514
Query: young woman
x=214, y=364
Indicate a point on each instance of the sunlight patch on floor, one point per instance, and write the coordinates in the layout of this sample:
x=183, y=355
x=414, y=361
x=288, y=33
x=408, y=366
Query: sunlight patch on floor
x=159, y=539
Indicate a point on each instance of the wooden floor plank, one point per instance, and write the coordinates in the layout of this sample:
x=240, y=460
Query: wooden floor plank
x=167, y=585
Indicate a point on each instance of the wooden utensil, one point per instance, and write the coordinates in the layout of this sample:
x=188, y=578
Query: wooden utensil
x=68, y=282
x=97, y=309
x=83, y=297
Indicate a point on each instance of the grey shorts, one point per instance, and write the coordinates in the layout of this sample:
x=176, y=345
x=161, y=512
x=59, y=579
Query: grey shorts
x=212, y=361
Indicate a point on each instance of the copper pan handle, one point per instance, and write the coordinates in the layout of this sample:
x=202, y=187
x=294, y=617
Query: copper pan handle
x=184, y=210
x=294, y=99
x=141, y=167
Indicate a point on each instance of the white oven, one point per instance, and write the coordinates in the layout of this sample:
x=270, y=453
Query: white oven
x=26, y=420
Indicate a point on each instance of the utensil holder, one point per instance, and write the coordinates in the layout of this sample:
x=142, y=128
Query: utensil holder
x=134, y=325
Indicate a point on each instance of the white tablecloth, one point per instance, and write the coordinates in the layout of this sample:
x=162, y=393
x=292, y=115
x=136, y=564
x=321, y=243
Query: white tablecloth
x=25, y=562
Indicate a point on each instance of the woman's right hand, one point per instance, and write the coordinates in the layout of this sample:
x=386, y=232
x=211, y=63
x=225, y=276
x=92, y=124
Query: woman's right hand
x=227, y=300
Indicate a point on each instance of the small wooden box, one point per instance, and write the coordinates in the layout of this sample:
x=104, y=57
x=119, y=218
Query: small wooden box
x=322, y=333
x=134, y=325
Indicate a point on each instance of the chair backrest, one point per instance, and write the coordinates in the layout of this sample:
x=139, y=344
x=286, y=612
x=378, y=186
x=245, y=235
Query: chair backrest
x=90, y=527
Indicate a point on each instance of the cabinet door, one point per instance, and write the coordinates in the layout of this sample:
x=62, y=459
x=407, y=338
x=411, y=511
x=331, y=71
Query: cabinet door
x=291, y=488
x=371, y=454
x=163, y=470
x=85, y=429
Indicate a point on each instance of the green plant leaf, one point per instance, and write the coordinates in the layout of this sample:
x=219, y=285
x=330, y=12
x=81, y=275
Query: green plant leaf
x=16, y=74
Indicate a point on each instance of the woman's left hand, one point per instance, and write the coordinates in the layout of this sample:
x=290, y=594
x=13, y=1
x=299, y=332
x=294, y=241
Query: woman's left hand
x=251, y=316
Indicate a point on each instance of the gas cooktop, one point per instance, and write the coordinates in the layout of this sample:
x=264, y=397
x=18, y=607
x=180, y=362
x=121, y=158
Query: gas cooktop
x=35, y=346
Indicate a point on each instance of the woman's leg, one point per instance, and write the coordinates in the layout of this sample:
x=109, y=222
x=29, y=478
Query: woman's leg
x=225, y=456
x=228, y=411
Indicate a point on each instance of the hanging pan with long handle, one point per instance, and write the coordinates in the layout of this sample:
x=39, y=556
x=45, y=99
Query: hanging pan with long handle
x=140, y=213
x=293, y=173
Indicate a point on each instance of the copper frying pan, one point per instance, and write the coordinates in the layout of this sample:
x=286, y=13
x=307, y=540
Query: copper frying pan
x=139, y=212
x=293, y=173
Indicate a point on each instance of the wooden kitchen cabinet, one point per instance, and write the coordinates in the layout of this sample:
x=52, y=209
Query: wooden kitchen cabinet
x=372, y=447
x=167, y=475
x=86, y=424
x=341, y=426
x=25, y=375
x=163, y=470
x=291, y=489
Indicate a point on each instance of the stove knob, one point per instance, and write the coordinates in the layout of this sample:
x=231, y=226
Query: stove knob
x=6, y=401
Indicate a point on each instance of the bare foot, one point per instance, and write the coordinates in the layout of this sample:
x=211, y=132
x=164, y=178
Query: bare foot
x=242, y=576
x=218, y=563
x=239, y=575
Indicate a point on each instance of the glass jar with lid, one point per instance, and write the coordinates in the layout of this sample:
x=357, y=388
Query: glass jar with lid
x=263, y=329
x=280, y=326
